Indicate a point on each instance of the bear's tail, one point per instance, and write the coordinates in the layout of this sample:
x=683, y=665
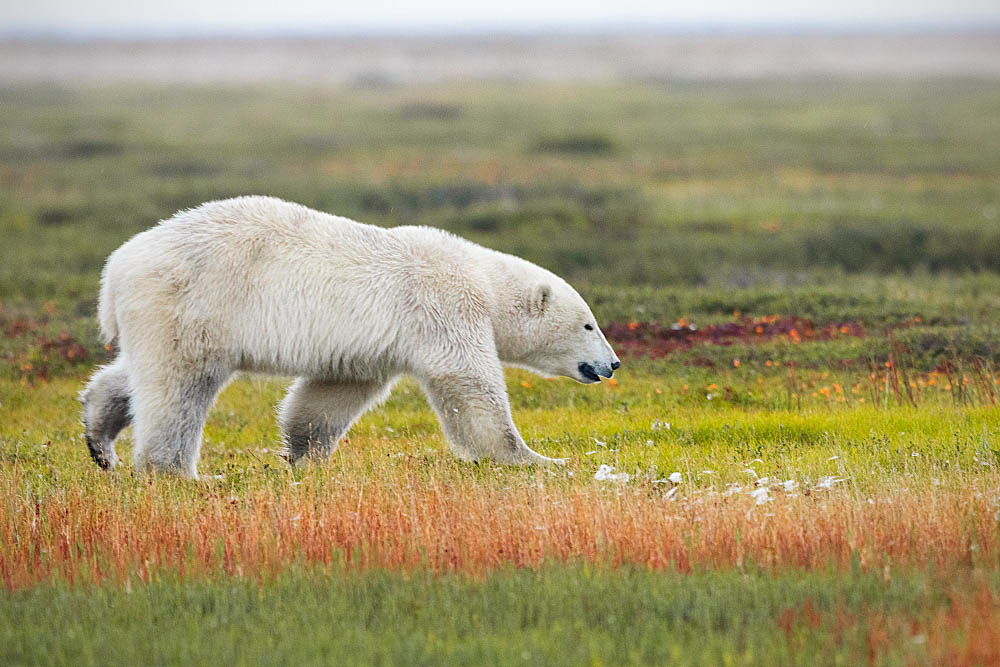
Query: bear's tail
x=106, y=307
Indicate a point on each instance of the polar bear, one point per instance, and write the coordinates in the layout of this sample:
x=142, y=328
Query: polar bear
x=262, y=285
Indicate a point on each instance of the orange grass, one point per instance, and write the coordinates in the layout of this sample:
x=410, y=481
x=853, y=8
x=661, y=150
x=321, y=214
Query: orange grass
x=117, y=529
x=966, y=631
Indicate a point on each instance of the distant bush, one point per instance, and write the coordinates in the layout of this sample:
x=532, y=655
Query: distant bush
x=500, y=218
x=374, y=80
x=583, y=144
x=182, y=168
x=930, y=346
x=895, y=245
x=434, y=110
x=56, y=216
x=617, y=210
x=85, y=148
x=410, y=200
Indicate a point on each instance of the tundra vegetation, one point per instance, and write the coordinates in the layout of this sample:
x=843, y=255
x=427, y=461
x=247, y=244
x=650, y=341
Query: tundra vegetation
x=798, y=461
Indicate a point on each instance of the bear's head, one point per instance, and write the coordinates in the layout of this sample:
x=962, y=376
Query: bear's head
x=553, y=331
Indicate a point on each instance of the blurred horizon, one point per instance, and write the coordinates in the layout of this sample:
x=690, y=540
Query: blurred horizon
x=599, y=56
x=157, y=19
x=789, y=27
x=317, y=42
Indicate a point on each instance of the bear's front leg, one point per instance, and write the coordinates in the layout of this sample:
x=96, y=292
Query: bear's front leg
x=475, y=414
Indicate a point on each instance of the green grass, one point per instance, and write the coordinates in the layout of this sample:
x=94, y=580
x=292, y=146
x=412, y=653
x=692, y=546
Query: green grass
x=558, y=616
x=870, y=446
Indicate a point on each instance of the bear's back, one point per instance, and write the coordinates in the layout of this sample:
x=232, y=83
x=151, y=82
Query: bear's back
x=270, y=220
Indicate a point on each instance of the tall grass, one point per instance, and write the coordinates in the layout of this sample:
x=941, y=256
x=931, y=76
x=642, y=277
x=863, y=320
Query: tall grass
x=406, y=517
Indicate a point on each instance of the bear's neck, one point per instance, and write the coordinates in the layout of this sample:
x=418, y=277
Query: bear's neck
x=508, y=293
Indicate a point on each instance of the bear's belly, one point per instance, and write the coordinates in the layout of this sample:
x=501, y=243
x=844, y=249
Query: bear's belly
x=355, y=367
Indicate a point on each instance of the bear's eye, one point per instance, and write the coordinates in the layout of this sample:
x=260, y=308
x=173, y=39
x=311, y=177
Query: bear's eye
x=588, y=327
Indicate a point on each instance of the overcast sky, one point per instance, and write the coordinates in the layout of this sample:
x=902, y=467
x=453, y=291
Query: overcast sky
x=239, y=16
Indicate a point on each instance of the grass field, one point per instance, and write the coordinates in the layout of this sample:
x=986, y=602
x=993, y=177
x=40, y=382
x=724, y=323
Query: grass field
x=798, y=462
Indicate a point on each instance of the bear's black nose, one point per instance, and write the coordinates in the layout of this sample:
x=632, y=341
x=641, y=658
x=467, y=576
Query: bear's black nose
x=615, y=365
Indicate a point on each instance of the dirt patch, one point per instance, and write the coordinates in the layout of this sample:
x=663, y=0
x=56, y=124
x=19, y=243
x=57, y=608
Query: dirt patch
x=32, y=349
x=655, y=340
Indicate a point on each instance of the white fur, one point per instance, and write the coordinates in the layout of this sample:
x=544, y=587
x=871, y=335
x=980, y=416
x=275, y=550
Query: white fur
x=259, y=284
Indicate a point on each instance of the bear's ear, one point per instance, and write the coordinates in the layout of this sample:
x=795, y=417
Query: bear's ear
x=540, y=298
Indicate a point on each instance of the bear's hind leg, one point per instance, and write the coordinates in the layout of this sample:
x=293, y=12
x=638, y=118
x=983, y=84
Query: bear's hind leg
x=107, y=409
x=317, y=413
x=169, y=417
